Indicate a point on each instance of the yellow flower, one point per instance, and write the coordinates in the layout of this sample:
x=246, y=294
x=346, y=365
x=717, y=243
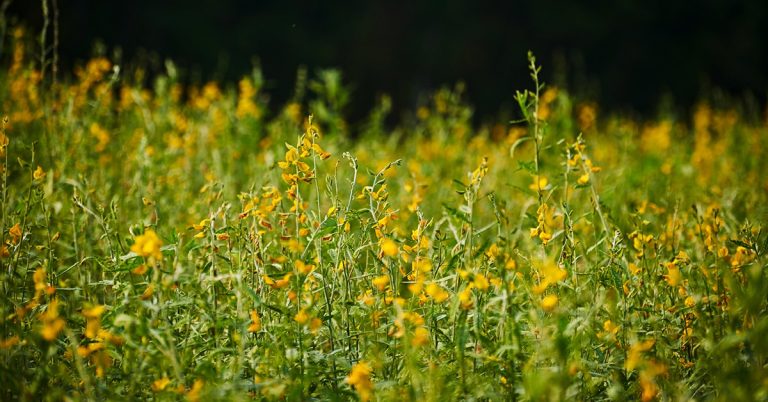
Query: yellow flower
x=635, y=353
x=366, y=298
x=477, y=176
x=610, y=327
x=546, y=220
x=551, y=274
x=101, y=135
x=202, y=225
x=493, y=251
x=293, y=111
x=649, y=387
x=94, y=312
x=360, y=379
x=320, y=151
x=52, y=323
x=381, y=282
x=3, y=144
x=255, y=322
x=10, y=342
x=39, y=173
x=420, y=337
x=148, y=292
x=148, y=245
x=539, y=182
x=437, y=293
x=39, y=278
x=413, y=317
x=480, y=282
x=549, y=302
x=277, y=284
x=93, y=323
x=160, y=384
x=583, y=179
x=315, y=324
x=291, y=158
x=193, y=395
x=587, y=116
x=673, y=274
x=15, y=232
x=741, y=257
x=465, y=298
x=303, y=268
x=245, y=104
x=722, y=252
x=416, y=287
x=388, y=247
x=301, y=317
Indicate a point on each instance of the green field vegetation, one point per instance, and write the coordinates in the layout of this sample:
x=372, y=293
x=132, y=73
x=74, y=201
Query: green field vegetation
x=182, y=242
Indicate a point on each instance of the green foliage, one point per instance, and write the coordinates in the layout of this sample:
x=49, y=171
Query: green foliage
x=189, y=242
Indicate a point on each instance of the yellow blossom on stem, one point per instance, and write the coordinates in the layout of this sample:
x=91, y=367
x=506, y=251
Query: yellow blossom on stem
x=101, y=135
x=278, y=284
x=202, y=225
x=303, y=268
x=15, y=232
x=315, y=324
x=148, y=292
x=635, y=354
x=39, y=173
x=360, y=379
x=480, y=282
x=39, y=278
x=160, y=384
x=193, y=395
x=148, y=245
x=301, y=317
x=3, y=143
x=673, y=274
x=381, y=282
x=493, y=251
x=437, y=293
x=649, y=388
x=465, y=298
x=551, y=274
x=539, y=183
x=52, y=323
x=255, y=325
x=722, y=252
x=549, y=302
x=245, y=103
x=93, y=320
x=140, y=270
x=610, y=327
x=388, y=247
x=10, y=342
x=420, y=337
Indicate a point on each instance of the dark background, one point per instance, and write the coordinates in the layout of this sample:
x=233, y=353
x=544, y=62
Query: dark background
x=625, y=54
